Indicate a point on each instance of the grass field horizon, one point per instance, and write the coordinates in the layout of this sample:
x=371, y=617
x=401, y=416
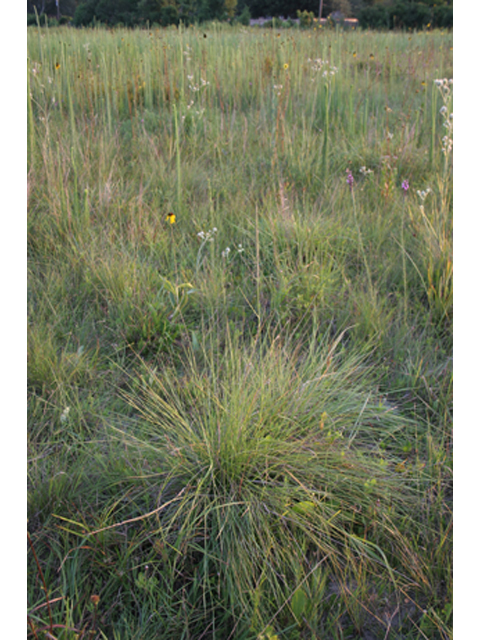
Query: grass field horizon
x=240, y=315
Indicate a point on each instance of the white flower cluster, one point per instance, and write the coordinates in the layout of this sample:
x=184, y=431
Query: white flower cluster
x=278, y=88
x=445, y=88
x=365, y=171
x=444, y=84
x=207, y=236
x=318, y=64
x=424, y=194
x=197, y=87
x=199, y=112
x=227, y=251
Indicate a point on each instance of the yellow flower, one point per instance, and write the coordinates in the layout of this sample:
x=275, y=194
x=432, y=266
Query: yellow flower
x=354, y=54
x=371, y=56
x=57, y=66
x=285, y=66
x=171, y=218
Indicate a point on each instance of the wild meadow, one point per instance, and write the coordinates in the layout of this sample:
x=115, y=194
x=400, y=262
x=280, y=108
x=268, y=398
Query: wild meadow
x=239, y=334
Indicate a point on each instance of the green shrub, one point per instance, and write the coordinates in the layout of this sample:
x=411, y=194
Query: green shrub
x=245, y=17
x=306, y=19
x=409, y=15
x=109, y=12
x=406, y=15
x=114, y=11
x=169, y=15
x=442, y=17
x=375, y=17
x=84, y=14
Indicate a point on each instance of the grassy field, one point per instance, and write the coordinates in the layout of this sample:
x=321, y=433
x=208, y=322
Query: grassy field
x=239, y=334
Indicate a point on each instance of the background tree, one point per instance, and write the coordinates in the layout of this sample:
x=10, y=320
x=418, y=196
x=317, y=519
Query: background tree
x=65, y=7
x=230, y=8
x=342, y=6
x=39, y=5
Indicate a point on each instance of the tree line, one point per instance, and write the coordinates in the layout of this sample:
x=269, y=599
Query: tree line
x=371, y=13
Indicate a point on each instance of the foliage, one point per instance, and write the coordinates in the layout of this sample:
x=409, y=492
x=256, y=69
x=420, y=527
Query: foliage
x=442, y=16
x=85, y=13
x=245, y=16
x=113, y=11
x=400, y=14
x=306, y=19
x=285, y=8
x=165, y=13
x=230, y=8
x=67, y=7
x=406, y=15
x=375, y=17
x=343, y=7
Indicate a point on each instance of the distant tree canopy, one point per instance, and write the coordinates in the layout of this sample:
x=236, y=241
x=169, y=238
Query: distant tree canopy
x=163, y=12
x=67, y=7
x=381, y=13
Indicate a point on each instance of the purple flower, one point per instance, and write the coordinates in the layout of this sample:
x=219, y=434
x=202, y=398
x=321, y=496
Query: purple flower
x=405, y=186
x=349, y=179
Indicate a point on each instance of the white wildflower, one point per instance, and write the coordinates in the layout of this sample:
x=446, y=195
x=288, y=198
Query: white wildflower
x=207, y=236
x=424, y=194
x=365, y=171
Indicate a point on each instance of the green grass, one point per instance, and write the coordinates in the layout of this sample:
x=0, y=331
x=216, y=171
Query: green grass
x=239, y=425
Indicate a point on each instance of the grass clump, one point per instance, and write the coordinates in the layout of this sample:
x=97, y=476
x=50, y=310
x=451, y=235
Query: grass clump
x=270, y=476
